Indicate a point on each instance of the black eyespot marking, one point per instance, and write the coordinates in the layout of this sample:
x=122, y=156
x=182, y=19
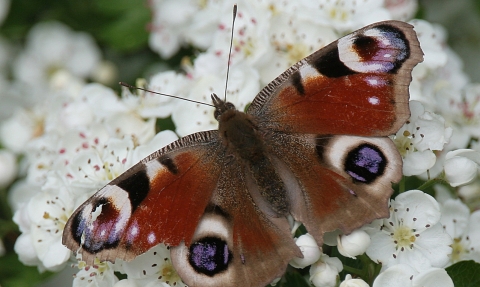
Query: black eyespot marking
x=365, y=163
x=101, y=236
x=297, y=83
x=330, y=65
x=169, y=164
x=365, y=47
x=209, y=256
x=399, y=42
x=78, y=226
x=79, y=222
x=137, y=184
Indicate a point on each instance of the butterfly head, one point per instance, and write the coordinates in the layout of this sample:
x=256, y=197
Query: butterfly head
x=222, y=107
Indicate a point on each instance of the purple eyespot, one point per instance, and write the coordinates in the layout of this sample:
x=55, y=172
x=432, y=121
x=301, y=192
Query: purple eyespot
x=365, y=163
x=209, y=255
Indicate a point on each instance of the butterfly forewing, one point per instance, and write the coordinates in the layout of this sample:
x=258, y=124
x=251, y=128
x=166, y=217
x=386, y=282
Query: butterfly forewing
x=357, y=85
x=159, y=200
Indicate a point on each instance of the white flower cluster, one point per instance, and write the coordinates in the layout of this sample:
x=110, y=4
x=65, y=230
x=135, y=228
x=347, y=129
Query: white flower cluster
x=75, y=137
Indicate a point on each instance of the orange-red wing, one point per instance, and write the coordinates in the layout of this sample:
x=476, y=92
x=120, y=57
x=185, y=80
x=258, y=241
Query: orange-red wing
x=159, y=200
x=357, y=85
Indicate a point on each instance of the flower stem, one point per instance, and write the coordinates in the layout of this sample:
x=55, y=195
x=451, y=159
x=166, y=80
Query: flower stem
x=431, y=182
x=354, y=271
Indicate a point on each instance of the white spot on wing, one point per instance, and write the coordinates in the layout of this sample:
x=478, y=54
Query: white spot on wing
x=134, y=230
x=153, y=167
x=151, y=238
x=372, y=82
x=374, y=100
x=308, y=71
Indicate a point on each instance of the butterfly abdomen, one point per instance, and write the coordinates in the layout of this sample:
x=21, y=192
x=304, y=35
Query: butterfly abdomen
x=245, y=143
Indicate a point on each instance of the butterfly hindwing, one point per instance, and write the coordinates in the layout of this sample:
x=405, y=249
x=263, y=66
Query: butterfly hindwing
x=159, y=200
x=357, y=85
x=338, y=182
x=236, y=243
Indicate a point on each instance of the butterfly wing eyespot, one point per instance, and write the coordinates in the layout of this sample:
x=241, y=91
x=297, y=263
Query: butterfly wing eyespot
x=159, y=200
x=344, y=181
x=357, y=85
x=235, y=243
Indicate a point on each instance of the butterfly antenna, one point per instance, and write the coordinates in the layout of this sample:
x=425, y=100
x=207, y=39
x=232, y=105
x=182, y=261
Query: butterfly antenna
x=230, y=50
x=166, y=95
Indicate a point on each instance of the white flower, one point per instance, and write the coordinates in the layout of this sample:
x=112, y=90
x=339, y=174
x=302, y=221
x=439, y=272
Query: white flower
x=412, y=234
x=52, y=46
x=419, y=137
x=105, y=73
x=470, y=194
x=250, y=41
x=293, y=38
x=353, y=244
x=21, y=192
x=169, y=21
x=431, y=38
x=350, y=282
x=402, y=275
x=439, y=77
x=324, y=273
x=243, y=85
x=42, y=221
x=92, y=168
x=461, y=166
x=160, y=140
x=154, y=266
x=462, y=109
x=176, y=22
x=21, y=128
x=310, y=250
x=149, y=105
x=346, y=15
x=402, y=9
x=463, y=228
x=8, y=167
x=99, y=275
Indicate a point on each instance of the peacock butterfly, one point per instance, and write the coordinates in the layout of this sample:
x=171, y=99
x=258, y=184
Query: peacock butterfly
x=313, y=144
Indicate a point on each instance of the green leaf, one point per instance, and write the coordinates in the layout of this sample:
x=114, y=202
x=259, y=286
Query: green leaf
x=293, y=279
x=14, y=274
x=126, y=29
x=465, y=274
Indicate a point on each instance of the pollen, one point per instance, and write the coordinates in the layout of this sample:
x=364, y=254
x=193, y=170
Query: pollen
x=458, y=250
x=404, y=237
x=168, y=274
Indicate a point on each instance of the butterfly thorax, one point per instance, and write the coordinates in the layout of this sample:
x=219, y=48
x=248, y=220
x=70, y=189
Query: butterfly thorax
x=244, y=141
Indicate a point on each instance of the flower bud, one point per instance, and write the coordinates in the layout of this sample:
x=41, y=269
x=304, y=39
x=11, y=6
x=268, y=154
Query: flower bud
x=349, y=282
x=325, y=271
x=310, y=250
x=354, y=244
x=461, y=166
